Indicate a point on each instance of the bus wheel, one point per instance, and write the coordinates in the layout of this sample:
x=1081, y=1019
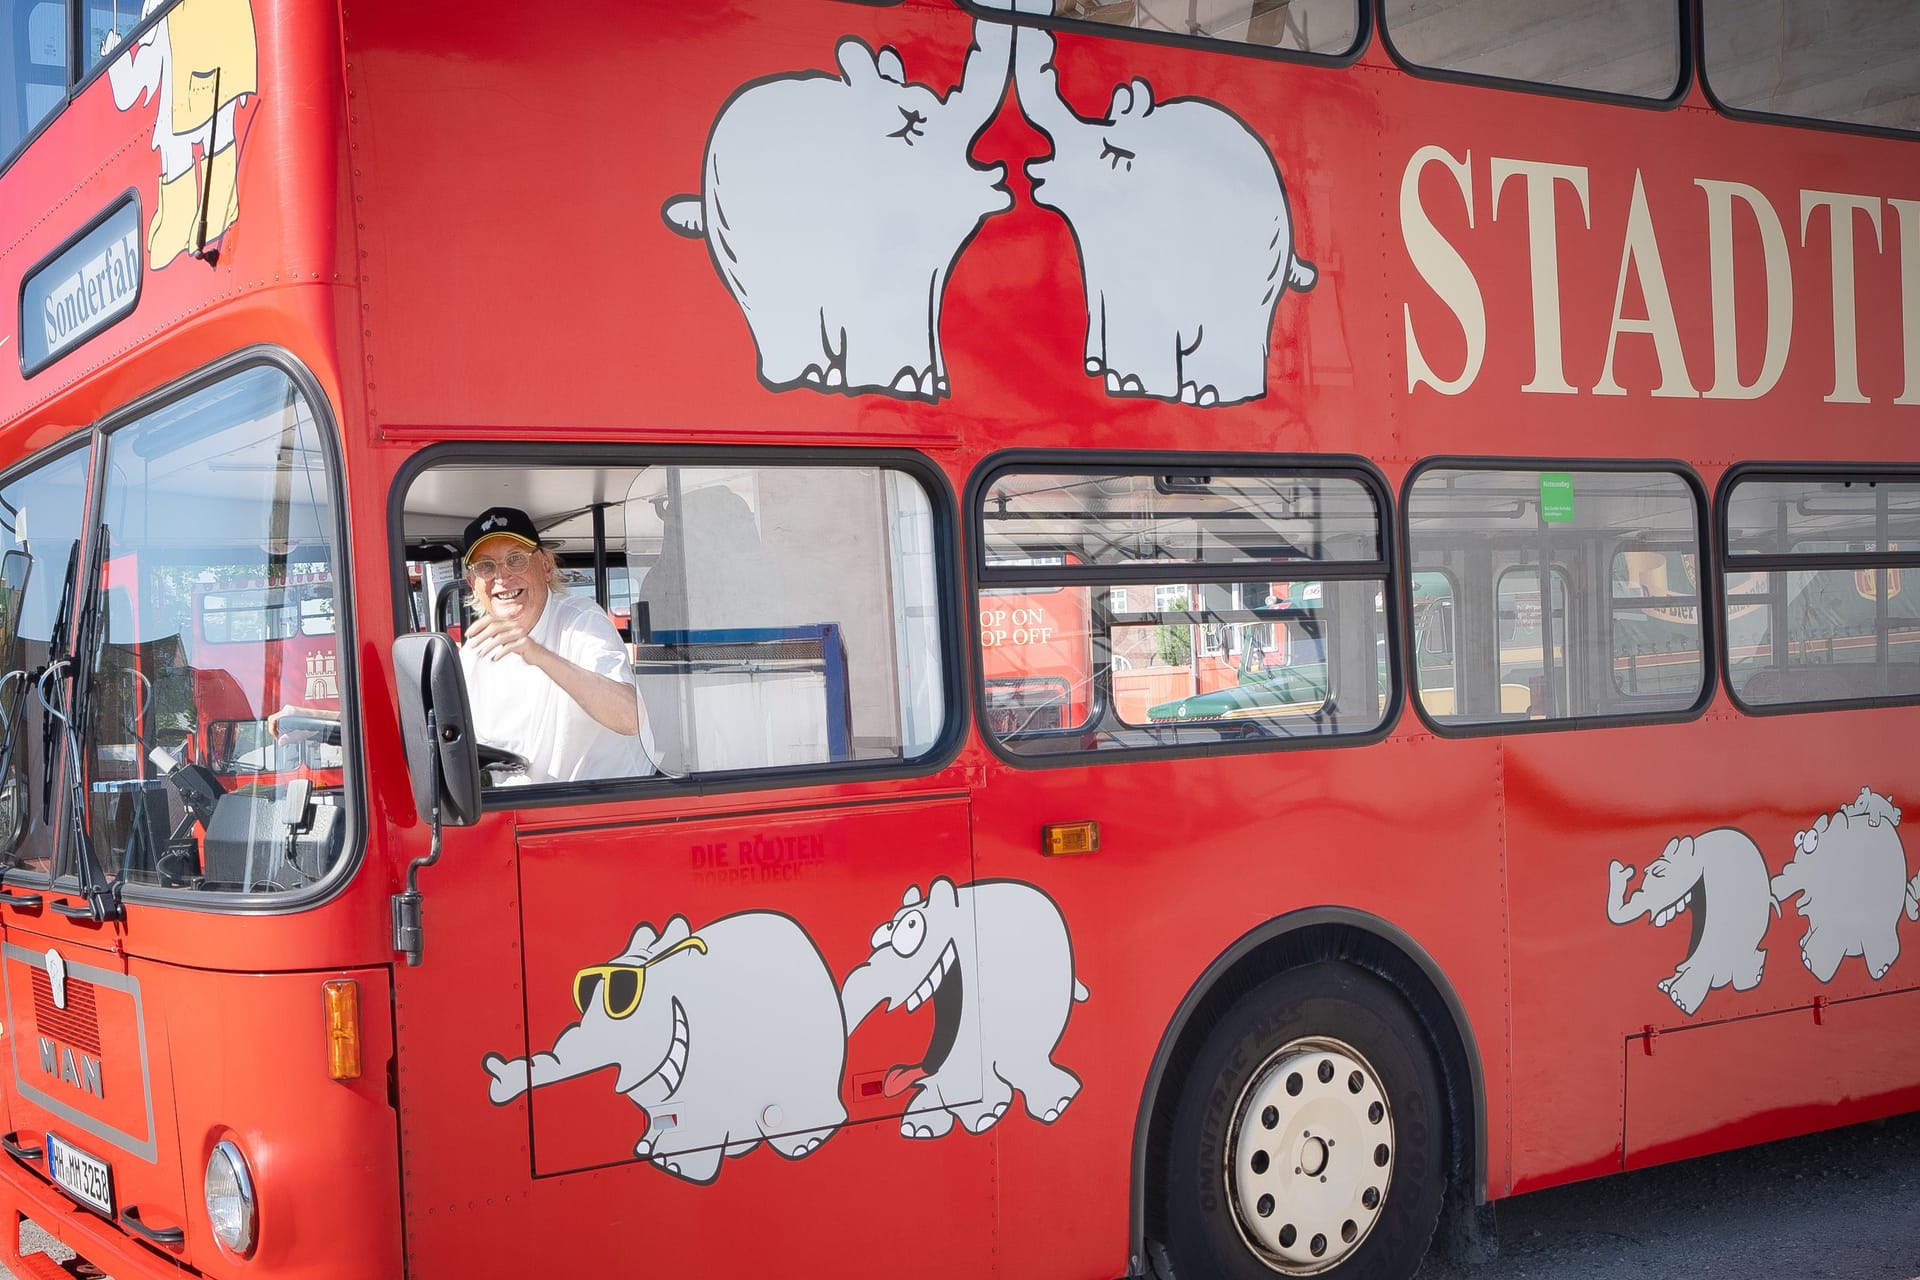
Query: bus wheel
x=1309, y=1137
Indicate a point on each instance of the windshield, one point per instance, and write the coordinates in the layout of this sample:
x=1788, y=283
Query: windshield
x=213, y=606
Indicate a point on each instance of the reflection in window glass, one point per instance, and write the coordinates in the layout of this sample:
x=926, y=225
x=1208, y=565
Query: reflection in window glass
x=794, y=615
x=1241, y=646
x=1836, y=633
x=1309, y=26
x=33, y=81
x=107, y=23
x=206, y=626
x=1850, y=61
x=1627, y=47
x=1589, y=606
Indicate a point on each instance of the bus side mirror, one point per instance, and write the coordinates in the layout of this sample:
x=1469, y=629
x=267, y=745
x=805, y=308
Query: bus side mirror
x=444, y=757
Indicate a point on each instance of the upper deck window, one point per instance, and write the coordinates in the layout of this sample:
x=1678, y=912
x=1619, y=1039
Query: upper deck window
x=37, y=65
x=34, y=40
x=1847, y=61
x=1305, y=26
x=1626, y=47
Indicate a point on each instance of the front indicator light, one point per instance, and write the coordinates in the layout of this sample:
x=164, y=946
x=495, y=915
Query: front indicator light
x=343, y=1029
x=230, y=1206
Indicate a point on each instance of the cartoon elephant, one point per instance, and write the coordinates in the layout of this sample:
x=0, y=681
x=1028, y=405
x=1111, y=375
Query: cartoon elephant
x=835, y=207
x=1850, y=871
x=723, y=1037
x=1182, y=224
x=995, y=960
x=198, y=64
x=1722, y=870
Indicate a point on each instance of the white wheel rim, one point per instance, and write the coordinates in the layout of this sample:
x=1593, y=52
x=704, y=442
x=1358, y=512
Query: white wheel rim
x=1311, y=1156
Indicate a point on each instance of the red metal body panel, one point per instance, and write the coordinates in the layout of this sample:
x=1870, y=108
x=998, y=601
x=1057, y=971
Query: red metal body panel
x=452, y=219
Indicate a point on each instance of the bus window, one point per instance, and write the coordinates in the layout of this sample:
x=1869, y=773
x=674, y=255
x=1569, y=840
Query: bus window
x=1180, y=607
x=1849, y=61
x=775, y=616
x=1845, y=630
x=1567, y=593
x=1629, y=47
x=201, y=629
x=1307, y=26
x=35, y=83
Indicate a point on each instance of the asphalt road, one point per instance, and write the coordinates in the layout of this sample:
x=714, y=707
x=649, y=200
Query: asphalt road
x=1835, y=1206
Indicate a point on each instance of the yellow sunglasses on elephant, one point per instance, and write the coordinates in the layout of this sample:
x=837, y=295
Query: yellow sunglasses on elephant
x=621, y=984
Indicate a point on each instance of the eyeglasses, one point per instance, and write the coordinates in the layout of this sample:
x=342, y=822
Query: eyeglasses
x=516, y=562
x=620, y=985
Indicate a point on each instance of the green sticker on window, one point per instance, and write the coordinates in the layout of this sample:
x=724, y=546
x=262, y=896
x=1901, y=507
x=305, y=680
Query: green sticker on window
x=1556, y=497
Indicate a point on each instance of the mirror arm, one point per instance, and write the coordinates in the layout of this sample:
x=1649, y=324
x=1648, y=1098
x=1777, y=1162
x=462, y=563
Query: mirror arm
x=406, y=906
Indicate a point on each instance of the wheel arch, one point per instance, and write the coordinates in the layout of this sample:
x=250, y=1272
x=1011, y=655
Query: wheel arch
x=1297, y=938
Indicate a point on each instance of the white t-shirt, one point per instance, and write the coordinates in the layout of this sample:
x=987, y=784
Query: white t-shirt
x=518, y=708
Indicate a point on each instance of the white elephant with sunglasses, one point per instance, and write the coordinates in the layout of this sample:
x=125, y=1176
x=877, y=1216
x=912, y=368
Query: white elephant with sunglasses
x=748, y=1000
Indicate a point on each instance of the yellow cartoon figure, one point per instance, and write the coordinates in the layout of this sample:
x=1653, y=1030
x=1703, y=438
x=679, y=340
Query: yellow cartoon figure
x=198, y=64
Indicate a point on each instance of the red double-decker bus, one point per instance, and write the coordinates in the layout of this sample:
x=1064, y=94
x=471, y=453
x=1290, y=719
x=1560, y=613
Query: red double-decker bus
x=1259, y=625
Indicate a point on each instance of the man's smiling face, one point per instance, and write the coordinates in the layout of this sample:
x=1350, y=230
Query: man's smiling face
x=515, y=595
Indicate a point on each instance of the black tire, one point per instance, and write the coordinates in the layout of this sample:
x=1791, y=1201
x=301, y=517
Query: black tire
x=1314, y=1048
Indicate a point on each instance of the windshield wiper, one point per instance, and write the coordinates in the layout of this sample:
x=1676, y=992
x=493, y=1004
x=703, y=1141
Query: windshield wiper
x=101, y=890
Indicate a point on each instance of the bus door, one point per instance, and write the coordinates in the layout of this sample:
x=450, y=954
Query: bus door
x=739, y=967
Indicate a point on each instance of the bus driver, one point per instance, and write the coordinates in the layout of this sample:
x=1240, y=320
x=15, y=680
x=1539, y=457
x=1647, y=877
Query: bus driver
x=547, y=674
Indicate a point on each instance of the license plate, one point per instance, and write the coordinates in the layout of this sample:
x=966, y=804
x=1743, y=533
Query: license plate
x=86, y=1178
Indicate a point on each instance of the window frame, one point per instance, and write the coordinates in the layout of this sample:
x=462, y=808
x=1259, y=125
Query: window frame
x=1785, y=562
x=1098, y=579
x=1709, y=588
x=576, y=453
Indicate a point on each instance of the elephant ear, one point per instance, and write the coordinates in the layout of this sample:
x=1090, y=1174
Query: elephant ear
x=942, y=893
x=1134, y=99
x=857, y=65
x=890, y=67
x=676, y=932
x=642, y=942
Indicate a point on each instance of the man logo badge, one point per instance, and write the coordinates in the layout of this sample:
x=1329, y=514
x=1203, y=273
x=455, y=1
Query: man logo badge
x=57, y=978
x=77, y=1069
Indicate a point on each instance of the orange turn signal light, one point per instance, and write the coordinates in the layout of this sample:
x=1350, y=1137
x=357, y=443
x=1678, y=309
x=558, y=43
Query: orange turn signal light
x=343, y=1029
x=1065, y=839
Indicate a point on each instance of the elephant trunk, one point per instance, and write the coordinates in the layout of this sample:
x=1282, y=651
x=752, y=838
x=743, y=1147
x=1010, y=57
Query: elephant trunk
x=1621, y=910
x=862, y=993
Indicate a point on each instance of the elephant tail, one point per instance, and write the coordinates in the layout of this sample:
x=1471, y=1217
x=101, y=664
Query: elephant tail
x=1913, y=899
x=1301, y=274
x=684, y=216
x=1079, y=990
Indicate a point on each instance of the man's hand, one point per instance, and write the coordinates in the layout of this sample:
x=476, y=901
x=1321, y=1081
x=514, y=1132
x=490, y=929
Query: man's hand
x=494, y=638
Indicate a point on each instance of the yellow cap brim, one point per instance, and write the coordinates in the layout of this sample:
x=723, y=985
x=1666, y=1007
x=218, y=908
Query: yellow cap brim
x=511, y=537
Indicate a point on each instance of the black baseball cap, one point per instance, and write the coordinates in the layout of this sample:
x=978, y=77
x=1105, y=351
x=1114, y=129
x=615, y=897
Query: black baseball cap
x=499, y=522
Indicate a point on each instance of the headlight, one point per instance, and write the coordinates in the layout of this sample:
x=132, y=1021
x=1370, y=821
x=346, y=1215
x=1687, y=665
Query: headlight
x=230, y=1205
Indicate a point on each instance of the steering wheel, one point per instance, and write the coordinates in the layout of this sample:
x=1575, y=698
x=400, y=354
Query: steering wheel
x=497, y=763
